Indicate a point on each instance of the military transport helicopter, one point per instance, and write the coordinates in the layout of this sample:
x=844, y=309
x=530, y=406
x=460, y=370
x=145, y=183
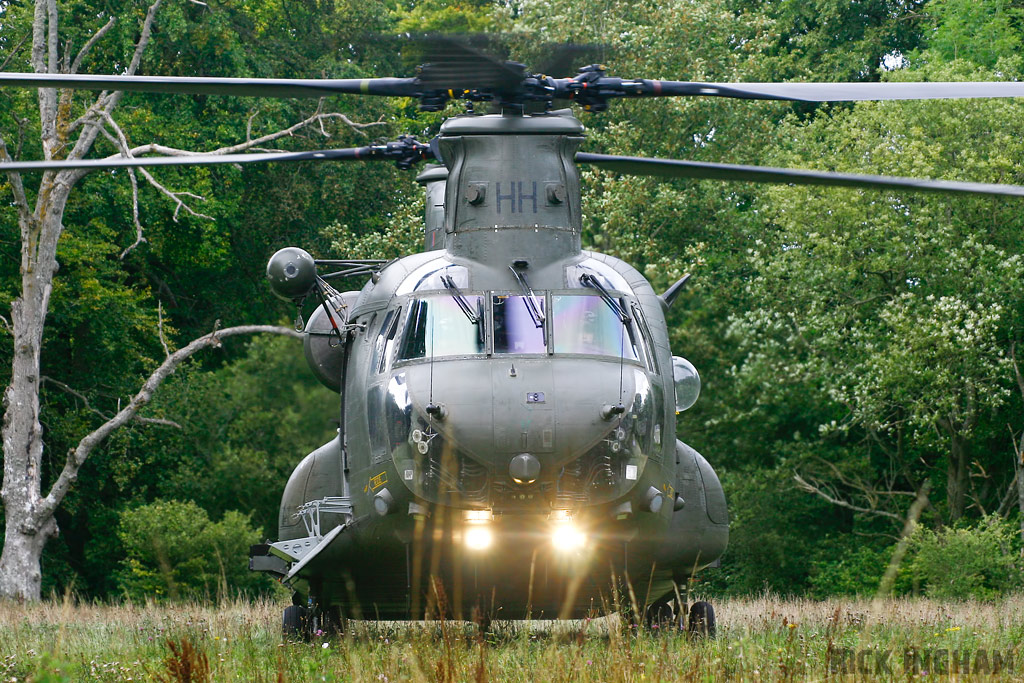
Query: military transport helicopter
x=508, y=400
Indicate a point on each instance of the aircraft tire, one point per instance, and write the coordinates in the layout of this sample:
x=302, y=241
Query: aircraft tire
x=295, y=623
x=661, y=618
x=702, y=620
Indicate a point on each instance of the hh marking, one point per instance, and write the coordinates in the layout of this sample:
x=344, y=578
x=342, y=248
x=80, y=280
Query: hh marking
x=516, y=196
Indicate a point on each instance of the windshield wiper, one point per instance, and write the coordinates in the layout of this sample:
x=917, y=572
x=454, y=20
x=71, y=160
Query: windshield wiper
x=456, y=293
x=588, y=280
x=532, y=307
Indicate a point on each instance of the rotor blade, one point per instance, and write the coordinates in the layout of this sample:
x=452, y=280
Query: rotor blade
x=351, y=153
x=562, y=57
x=201, y=85
x=838, y=92
x=454, y=64
x=674, y=168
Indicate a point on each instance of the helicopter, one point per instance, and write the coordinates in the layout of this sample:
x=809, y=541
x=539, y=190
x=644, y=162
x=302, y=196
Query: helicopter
x=508, y=400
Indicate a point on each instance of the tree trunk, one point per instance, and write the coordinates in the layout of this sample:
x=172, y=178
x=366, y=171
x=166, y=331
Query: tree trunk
x=1018, y=466
x=20, y=565
x=956, y=477
x=27, y=530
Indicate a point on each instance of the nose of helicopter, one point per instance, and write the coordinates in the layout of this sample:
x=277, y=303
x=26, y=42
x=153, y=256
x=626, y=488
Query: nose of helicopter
x=525, y=417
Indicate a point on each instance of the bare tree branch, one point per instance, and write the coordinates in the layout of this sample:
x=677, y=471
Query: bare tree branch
x=139, y=239
x=52, y=38
x=158, y=422
x=1009, y=498
x=147, y=31
x=176, y=197
x=88, y=406
x=17, y=187
x=154, y=148
x=835, y=500
x=122, y=142
x=89, y=44
x=77, y=456
x=160, y=327
x=38, y=39
x=14, y=51
x=106, y=102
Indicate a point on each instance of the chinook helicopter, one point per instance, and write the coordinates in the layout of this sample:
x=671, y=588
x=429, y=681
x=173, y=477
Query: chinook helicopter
x=508, y=400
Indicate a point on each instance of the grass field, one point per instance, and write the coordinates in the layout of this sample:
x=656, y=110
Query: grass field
x=759, y=639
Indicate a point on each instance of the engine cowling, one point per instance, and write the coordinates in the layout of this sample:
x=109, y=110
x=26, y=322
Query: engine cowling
x=323, y=349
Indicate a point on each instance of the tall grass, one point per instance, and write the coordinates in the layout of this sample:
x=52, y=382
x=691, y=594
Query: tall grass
x=765, y=638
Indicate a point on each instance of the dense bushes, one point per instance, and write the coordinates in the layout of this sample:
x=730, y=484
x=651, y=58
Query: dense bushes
x=173, y=550
x=980, y=561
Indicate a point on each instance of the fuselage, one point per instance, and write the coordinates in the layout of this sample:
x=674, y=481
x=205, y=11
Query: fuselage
x=508, y=435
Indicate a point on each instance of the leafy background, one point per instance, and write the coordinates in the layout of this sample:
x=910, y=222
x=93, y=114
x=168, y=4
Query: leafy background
x=863, y=341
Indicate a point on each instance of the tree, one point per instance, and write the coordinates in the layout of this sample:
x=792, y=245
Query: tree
x=69, y=127
x=979, y=32
x=895, y=313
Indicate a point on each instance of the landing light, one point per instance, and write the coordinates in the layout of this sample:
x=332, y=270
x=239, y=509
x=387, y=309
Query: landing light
x=478, y=538
x=567, y=537
x=477, y=534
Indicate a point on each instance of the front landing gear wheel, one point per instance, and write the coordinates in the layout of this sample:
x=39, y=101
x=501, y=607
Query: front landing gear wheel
x=295, y=625
x=702, y=620
x=664, y=617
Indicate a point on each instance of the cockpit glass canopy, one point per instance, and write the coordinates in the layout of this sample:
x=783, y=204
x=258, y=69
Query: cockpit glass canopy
x=586, y=324
x=516, y=330
x=437, y=326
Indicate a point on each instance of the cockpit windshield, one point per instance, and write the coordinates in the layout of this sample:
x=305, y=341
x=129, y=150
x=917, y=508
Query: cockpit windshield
x=515, y=329
x=586, y=324
x=439, y=327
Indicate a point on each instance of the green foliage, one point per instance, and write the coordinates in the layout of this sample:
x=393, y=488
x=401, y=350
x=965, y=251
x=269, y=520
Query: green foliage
x=445, y=16
x=764, y=553
x=832, y=40
x=894, y=313
x=173, y=550
x=249, y=424
x=841, y=569
x=980, y=561
x=864, y=337
x=979, y=32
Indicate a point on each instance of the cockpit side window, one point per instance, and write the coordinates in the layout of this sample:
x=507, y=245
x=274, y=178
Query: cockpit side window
x=385, y=340
x=438, y=326
x=645, y=333
x=515, y=329
x=587, y=325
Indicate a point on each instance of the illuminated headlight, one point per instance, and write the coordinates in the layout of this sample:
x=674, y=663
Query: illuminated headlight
x=478, y=537
x=567, y=537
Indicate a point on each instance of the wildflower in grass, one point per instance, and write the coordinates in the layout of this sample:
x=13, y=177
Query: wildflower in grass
x=325, y=645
